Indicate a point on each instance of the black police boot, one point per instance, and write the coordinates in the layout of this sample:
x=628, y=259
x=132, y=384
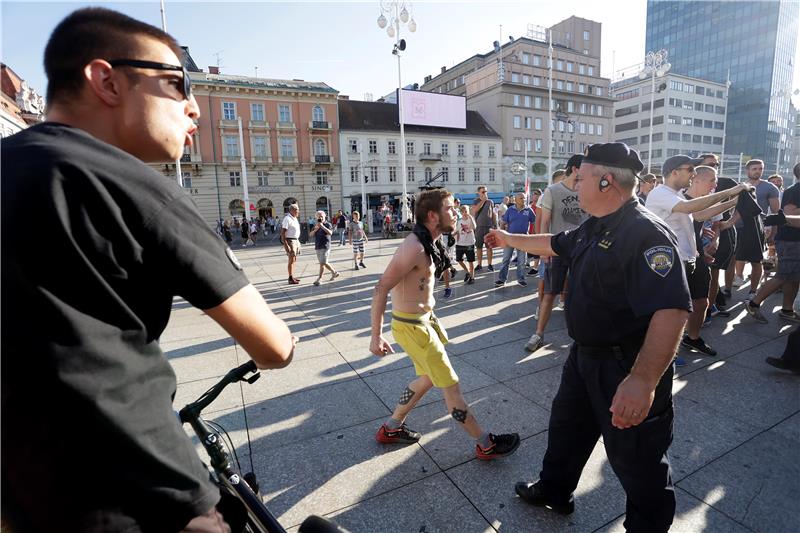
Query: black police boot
x=531, y=493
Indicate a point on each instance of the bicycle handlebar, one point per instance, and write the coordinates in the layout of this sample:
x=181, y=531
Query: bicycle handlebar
x=193, y=410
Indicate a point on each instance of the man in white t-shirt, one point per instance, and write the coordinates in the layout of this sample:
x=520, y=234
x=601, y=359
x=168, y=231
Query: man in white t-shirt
x=290, y=237
x=668, y=203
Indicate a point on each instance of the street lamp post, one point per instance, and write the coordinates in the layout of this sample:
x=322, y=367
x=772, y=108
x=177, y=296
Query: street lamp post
x=398, y=15
x=655, y=65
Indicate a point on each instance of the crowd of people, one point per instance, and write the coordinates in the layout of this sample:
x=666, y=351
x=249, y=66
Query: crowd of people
x=635, y=274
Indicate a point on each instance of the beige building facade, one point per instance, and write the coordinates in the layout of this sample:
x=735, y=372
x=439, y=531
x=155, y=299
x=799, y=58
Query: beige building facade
x=509, y=88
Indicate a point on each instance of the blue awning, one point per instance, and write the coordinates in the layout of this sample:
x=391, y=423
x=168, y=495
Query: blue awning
x=468, y=198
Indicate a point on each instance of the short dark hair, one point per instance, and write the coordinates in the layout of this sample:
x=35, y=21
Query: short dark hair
x=796, y=171
x=88, y=34
x=754, y=162
x=427, y=201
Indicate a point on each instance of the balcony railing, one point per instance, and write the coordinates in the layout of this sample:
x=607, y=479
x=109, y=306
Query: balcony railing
x=322, y=159
x=186, y=158
x=285, y=125
x=430, y=157
x=319, y=125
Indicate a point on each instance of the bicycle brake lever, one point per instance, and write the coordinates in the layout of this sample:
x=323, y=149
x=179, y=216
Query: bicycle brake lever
x=252, y=379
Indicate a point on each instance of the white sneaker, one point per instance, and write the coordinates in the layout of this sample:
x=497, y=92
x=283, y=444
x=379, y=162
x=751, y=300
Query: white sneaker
x=534, y=343
x=334, y=276
x=738, y=281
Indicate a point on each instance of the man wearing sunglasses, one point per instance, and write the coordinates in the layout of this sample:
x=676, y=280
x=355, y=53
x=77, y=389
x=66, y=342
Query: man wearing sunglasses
x=87, y=415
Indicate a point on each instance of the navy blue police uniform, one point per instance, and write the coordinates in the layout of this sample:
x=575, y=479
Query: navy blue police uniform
x=624, y=267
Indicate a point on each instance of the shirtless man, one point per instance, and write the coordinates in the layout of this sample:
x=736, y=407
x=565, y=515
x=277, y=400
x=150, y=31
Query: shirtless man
x=410, y=277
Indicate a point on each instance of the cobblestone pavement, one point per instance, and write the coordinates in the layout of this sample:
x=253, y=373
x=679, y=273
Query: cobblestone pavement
x=311, y=425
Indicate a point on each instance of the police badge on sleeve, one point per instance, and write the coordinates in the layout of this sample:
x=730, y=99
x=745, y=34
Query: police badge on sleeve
x=660, y=259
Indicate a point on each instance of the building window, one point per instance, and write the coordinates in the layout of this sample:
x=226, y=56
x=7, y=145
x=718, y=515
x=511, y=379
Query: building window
x=581, y=88
x=476, y=174
x=318, y=114
x=517, y=144
x=373, y=146
x=599, y=129
x=476, y=150
x=559, y=85
x=373, y=174
x=537, y=145
x=590, y=70
x=491, y=173
x=570, y=66
x=582, y=128
x=585, y=35
x=257, y=112
x=445, y=147
x=526, y=58
x=591, y=129
x=599, y=111
x=260, y=147
x=320, y=148
x=288, y=177
x=492, y=149
x=409, y=147
x=460, y=147
x=561, y=147
x=570, y=86
x=287, y=147
x=527, y=101
x=537, y=81
x=516, y=99
x=581, y=69
x=186, y=180
x=528, y=145
x=537, y=60
x=462, y=173
x=392, y=174
x=411, y=174
x=570, y=107
x=353, y=175
x=537, y=124
x=517, y=120
x=514, y=77
x=428, y=174
x=322, y=177
x=228, y=111
x=673, y=136
x=284, y=113
x=527, y=123
x=392, y=147
x=445, y=175
x=559, y=64
x=353, y=144
x=231, y=146
x=526, y=79
x=686, y=121
x=236, y=178
x=426, y=148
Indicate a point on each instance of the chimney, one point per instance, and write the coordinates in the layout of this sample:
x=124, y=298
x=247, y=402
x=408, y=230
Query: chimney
x=344, y=97
x=444, y=69
x=213, y=70
x=428, y=78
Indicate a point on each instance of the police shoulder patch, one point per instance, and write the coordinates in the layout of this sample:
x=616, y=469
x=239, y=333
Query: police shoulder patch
x=233, y=258
x=660, y=259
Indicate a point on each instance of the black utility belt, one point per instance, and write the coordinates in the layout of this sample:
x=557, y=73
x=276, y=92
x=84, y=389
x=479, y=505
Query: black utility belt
x=617, y=350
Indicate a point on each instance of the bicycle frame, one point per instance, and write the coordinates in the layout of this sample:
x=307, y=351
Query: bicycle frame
x=220, y=460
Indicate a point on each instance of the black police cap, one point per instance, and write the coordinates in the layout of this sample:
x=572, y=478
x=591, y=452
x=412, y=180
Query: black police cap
x=614, y=155
x=575, y=161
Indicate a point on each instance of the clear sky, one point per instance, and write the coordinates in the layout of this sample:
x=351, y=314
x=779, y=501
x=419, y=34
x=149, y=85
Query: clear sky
x=338, y=43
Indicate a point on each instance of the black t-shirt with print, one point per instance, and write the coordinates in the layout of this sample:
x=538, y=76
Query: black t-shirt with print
x=790, y=196
x=90, y=437
x=322, y=240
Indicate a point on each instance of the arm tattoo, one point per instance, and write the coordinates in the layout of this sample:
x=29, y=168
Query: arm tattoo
x=459, y=415
x=406, y=396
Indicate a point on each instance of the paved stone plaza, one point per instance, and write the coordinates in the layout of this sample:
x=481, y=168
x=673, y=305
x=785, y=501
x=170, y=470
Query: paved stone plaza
x=737, y=430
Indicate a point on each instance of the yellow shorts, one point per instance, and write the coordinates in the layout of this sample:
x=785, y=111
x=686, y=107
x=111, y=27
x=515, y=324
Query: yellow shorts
x=424, y=342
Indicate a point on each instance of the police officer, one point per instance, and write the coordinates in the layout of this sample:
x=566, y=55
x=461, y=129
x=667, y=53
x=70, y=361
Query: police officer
x=627, y=305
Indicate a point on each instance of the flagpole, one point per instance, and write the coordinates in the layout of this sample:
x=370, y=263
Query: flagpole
x=550, y=126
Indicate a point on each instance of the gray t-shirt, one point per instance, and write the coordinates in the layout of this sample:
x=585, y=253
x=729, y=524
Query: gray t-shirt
x=565, y=211
x=483, y=219
x=764, y=192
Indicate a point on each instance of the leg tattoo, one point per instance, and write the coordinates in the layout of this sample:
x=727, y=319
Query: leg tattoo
x=406, y=396
x=459, y=415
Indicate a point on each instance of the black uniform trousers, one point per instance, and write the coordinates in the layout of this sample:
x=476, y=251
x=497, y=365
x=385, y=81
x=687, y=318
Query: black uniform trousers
x=580, y=415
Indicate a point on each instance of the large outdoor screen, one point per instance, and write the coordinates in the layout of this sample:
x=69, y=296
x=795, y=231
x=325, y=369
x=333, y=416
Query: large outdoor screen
x=433, y=109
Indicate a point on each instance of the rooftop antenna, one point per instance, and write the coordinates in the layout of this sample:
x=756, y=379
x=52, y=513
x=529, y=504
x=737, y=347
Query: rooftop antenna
x=218, y=56
x=367, y=97
x=256, y=72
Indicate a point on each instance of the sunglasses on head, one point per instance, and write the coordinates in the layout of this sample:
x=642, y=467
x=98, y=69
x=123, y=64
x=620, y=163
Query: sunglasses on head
x=186, y=89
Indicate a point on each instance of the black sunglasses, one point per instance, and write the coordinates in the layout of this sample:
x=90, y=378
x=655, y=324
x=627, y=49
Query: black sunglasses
x=187, y=83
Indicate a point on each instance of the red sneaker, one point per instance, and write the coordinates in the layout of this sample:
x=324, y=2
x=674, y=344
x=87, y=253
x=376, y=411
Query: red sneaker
x=401, y=435
x=502, y=445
